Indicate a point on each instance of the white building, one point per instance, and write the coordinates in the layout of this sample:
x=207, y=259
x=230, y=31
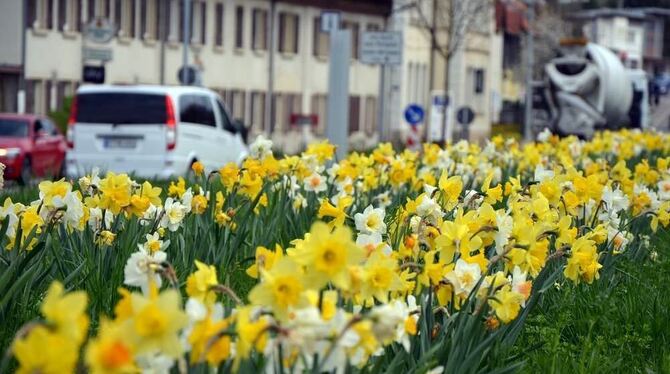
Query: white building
x=264, y=73
x=621, y=30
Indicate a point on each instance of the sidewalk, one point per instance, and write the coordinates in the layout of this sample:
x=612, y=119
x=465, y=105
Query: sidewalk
x=660, y=114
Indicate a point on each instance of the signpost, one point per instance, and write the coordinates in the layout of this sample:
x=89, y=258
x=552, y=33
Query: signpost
x=100, y=31
x=94, y=74
x=414, y=114
x=465, y=115
x=381, y=48
x=99, y=54
x=338, y=90
x=437, y=109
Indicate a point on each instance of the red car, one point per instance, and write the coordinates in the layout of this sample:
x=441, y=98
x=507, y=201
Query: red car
x=30, y=145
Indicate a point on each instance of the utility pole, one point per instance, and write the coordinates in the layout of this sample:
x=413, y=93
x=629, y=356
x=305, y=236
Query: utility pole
x=530, y=57
x=186, y=33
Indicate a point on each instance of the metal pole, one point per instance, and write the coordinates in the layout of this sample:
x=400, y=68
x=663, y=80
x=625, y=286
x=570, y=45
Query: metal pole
x=162, y=35
x=21, y=94
x=271, y=68
x=187, y=38
x=530, y=45
x=382, y=103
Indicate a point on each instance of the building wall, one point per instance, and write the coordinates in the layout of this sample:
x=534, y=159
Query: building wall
x=54, y=59
x=10, y=32
x=619, y=34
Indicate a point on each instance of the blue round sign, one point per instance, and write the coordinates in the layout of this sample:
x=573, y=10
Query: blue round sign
x=414, y=114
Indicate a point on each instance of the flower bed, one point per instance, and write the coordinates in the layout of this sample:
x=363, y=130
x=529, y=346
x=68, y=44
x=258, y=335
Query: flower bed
x=381, y=262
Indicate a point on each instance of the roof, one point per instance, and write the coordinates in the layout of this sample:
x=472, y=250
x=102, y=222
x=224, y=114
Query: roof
x=173, y=90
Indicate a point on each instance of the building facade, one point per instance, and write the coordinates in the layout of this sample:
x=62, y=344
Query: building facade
x=230, y=45
x=267, y=58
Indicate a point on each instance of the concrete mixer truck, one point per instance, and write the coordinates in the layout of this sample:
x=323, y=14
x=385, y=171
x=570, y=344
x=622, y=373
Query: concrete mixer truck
x=586, y=88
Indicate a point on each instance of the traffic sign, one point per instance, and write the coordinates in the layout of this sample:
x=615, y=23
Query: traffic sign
x=100, y=30
x=465, y=115
x=99, y=54
x=414, y=114
x=187, y=75
x=93, y=74
x=330, y=20
x=381, y=48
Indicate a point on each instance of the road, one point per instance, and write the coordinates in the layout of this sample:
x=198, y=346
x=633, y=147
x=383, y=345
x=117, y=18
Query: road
x=660, y=114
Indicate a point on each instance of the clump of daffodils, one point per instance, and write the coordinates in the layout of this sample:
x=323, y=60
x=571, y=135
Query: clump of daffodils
x=394, y=240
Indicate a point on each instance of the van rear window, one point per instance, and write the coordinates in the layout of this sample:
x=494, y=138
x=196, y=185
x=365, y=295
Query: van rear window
x=121, y=108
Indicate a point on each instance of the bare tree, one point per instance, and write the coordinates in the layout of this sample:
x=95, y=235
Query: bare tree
x=448, y=26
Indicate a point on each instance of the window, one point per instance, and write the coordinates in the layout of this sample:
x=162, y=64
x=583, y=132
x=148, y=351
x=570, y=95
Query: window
x=62, y=15
x=257, y=118
x=13, y=128
x=354, y=27
x=236, y=102
x=259, y=29
x=148, y=19
x=196, y=109
x=199, y=22
x=90, y=10
x=371, y=114
x=284, y=105
x=239, y=27
x=124, y=18
x=479, y=81
x=354, y=113
x=373, y=27
x=631, y=36
x=288, y=32
x=319, y=107
x=218, y=25
x=121, y=108
x=46, y=126
x=321, y=40
x=40, y=14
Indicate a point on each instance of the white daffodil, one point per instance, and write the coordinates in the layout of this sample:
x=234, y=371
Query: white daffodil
x=154, y=243
x=370, y=221
x=520, y=284
x=372, y=242
x=142, y=268
x=544, y=135
x=542, y=174
x=505, y=224
x=173, y=215
x=464, y=277
x=260, y=148
x=315, y=183
x=664, y=190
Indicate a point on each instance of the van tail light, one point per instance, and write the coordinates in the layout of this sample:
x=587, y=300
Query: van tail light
x=70, y=123
x=171, y=124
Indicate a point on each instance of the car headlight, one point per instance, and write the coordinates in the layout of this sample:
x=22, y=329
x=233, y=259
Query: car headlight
x=10, y=152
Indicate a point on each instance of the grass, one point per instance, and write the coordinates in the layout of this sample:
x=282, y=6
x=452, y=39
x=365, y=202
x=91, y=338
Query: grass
x=618, y=325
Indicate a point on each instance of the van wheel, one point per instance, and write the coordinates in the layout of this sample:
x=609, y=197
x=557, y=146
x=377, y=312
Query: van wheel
x=26, y=172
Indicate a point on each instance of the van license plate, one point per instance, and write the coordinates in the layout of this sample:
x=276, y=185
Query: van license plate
x=120, y=143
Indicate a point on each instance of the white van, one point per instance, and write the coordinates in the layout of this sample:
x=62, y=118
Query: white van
x=150, y=131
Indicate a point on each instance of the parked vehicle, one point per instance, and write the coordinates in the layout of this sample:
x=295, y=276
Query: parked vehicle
x=30, y=146
x=151, y=131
